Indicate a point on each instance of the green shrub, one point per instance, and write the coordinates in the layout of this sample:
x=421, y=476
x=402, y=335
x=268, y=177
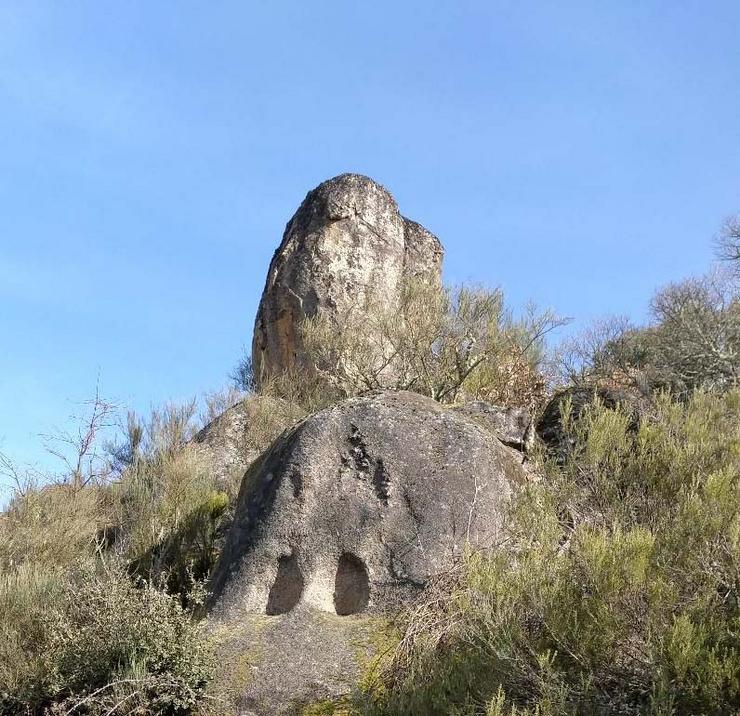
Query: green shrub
x=165, y=507
x=156, y=496
x=97, y=644
x=619, y=592
x=448, y=344
x=187, y=554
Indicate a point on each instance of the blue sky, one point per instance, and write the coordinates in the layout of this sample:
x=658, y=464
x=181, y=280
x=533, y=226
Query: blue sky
x=577, y=154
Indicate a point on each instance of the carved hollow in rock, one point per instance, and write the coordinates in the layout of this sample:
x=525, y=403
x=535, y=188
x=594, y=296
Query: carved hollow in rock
x=287, y=588
x=351, y=586
x=404, y=510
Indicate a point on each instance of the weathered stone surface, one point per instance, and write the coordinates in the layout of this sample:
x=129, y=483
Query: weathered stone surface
x=347, y=515
x=346, y=244
x=394, y=479
x=279, y=664
x=422, y=252
x=233, y=440
x=512, y=426
x=225, y=443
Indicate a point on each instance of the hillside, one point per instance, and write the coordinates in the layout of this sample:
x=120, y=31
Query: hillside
x=410, y=502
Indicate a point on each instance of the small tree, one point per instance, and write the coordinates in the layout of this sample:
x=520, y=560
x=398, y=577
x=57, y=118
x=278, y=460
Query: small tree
x=697, y=339
x=605, y=350
x=444, y=343
x=80, y=449
x=728, y=242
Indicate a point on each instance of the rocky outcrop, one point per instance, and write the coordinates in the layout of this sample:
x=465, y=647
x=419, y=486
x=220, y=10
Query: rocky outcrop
x=235, y=438
x=512, y=426
x=549, y=426
x=347, y=515
x=394, y=479
x=347, y=244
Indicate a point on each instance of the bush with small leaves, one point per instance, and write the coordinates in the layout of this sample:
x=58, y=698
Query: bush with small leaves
x=101, y=645
x=448, y=344
x=618, y=592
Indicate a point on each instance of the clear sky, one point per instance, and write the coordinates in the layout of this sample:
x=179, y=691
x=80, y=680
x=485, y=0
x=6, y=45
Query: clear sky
x=575, y=153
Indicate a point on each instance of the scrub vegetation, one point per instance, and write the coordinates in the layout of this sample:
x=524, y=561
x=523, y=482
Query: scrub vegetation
x=618, y=591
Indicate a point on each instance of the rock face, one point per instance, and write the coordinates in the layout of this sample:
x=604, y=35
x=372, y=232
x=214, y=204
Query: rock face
x=549, y=426
x=346, y=244
x=234, y=439
x=512, y=426
x=345, y=516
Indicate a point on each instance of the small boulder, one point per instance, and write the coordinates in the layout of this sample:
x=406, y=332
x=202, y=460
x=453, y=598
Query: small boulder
x=549, y=426
x=512, y=426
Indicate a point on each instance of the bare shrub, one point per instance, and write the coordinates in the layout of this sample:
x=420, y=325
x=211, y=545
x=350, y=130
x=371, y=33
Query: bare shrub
x=603, y=350
x=80, y=450
x=219, y=401
x=727, y=243
x=692, y=342
x=447, y=344
x=697, y=337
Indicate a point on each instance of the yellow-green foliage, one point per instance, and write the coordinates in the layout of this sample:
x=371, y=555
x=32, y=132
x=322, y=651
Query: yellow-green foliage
x=448, y=344
x=167, y=511
x=619, y=592
x=157, y=494
x=94, y=643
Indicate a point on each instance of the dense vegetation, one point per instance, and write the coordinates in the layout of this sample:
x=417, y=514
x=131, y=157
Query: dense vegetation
x=618, y=592
x=84, y=628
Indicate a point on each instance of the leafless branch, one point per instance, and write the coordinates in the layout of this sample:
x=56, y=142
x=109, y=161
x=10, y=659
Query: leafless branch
x=78, y=449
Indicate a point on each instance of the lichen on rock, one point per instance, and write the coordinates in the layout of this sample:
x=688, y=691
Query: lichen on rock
x=347, y=245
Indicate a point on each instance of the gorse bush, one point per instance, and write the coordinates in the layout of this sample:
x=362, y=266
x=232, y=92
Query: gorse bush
x=167, y=498
x=618, y=593
x=95, y=643
x=26, y=592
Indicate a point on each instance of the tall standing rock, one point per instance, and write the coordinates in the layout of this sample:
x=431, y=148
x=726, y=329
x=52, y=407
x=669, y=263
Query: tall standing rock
x=347, y=244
